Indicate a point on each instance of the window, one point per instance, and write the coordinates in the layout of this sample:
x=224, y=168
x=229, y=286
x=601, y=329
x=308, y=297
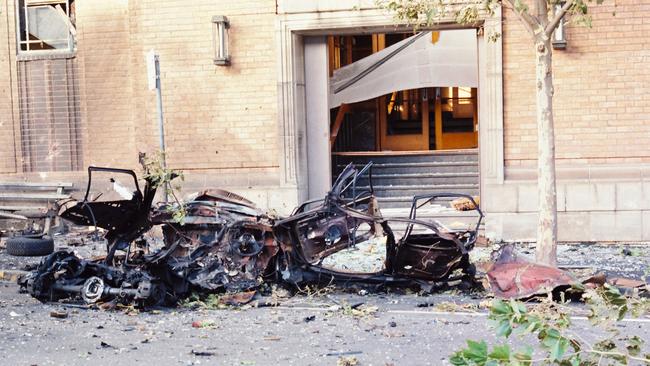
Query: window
x=403, y=109
x=51, y=129
x=45, y=26
x=458, y=109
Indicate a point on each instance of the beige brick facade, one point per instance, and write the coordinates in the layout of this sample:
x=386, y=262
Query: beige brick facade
x=602, y=89
x=8, y=91
x=240, y=127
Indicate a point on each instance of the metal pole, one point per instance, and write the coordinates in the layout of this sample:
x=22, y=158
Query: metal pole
x=161, y=127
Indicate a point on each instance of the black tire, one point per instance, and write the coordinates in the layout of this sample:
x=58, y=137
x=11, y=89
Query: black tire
x=30, y=247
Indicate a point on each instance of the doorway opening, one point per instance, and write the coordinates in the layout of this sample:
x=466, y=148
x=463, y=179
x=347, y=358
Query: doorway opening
x=409, y=103
x=426, y=118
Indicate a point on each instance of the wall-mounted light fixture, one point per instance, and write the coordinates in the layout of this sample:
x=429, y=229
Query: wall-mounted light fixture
x=559, y=35
x=220, y=25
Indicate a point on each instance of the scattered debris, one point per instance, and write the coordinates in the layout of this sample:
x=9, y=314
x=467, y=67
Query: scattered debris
x=452, y=307
x=465, y=203
x=104, y=345
x=343, y=353
x=310, y=318
x=203, y=353
x=236, y=299
x=203, y=324
x=425, y=304
x=513, y=276
x=347, y=361
x=358, y=310
x=59, y=314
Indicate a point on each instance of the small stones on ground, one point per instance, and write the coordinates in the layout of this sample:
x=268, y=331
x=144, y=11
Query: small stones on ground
x=203, y=353
x=310, y=318
x=59, y=314
x=427, y=304
x=103, y=344
x=347, y=361
x=392, y=324
x=203, y=324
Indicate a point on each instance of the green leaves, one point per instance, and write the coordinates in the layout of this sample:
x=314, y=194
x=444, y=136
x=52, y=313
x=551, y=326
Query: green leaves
x=558, y=348
x=477, y=354
x=500, y=353
x=158, y=175
x=523, y=357
x=476, y=351
x=551, y=324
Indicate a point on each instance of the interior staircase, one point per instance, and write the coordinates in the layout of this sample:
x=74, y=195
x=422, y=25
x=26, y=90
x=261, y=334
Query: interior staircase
x=398, y=177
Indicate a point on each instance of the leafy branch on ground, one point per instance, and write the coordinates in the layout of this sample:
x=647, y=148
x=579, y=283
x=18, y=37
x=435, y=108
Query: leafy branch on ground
x=347, y=361
x=199, y=301
x=359, y=311
x=559, y=342
x=155, y=171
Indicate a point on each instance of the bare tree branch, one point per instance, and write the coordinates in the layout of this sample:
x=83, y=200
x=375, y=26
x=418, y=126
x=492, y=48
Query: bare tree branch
x=529, y=22
x=550, y=27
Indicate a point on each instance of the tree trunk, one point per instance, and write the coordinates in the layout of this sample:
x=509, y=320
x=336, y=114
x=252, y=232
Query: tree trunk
x=546, y=191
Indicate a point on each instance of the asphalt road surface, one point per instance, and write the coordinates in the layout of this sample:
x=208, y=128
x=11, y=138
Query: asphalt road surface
x=303, y=330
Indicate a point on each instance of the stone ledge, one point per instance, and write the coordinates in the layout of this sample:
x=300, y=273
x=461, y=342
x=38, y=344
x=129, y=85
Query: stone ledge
x=586, y=172
x=612, y=226
x=572, y=196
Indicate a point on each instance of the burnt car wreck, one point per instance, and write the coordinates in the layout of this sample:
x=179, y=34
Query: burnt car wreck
x=223, y=243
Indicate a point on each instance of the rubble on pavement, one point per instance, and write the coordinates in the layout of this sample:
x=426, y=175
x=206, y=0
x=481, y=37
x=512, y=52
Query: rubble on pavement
x=512, y=275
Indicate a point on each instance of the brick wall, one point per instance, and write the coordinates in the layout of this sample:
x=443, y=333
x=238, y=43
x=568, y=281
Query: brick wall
x=8, y=117
x=602, y=89
x=103, y=53
x=216, y=118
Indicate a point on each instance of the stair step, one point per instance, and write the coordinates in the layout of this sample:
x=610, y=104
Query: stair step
x=467, y=156
x=421, y=167
x=402, y=201
x=397, y=177
x=413, y=190
x=421, y=178
x=425, y=187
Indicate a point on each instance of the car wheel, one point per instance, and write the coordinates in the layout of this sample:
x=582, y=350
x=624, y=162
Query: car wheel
x=30, y=247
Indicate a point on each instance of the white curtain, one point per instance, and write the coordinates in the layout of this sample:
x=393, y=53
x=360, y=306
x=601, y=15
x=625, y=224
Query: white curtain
x=415, y=62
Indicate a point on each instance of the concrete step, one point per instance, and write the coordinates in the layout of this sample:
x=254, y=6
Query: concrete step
x=421, y=167
x=447, y=217
x=404, y=202
x=412, y=189
x=437, y=156
x=398, y=177
x=421, y=179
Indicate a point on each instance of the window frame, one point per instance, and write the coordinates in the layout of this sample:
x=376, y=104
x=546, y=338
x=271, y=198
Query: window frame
x=22, y=7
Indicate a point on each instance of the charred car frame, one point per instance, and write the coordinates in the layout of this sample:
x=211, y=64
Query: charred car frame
x=225, y=244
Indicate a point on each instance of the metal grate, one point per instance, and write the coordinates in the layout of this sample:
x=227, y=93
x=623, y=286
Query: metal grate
x=50, y=123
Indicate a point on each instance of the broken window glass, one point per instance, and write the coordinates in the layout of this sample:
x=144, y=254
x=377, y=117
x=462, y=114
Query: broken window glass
x=45, y=25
